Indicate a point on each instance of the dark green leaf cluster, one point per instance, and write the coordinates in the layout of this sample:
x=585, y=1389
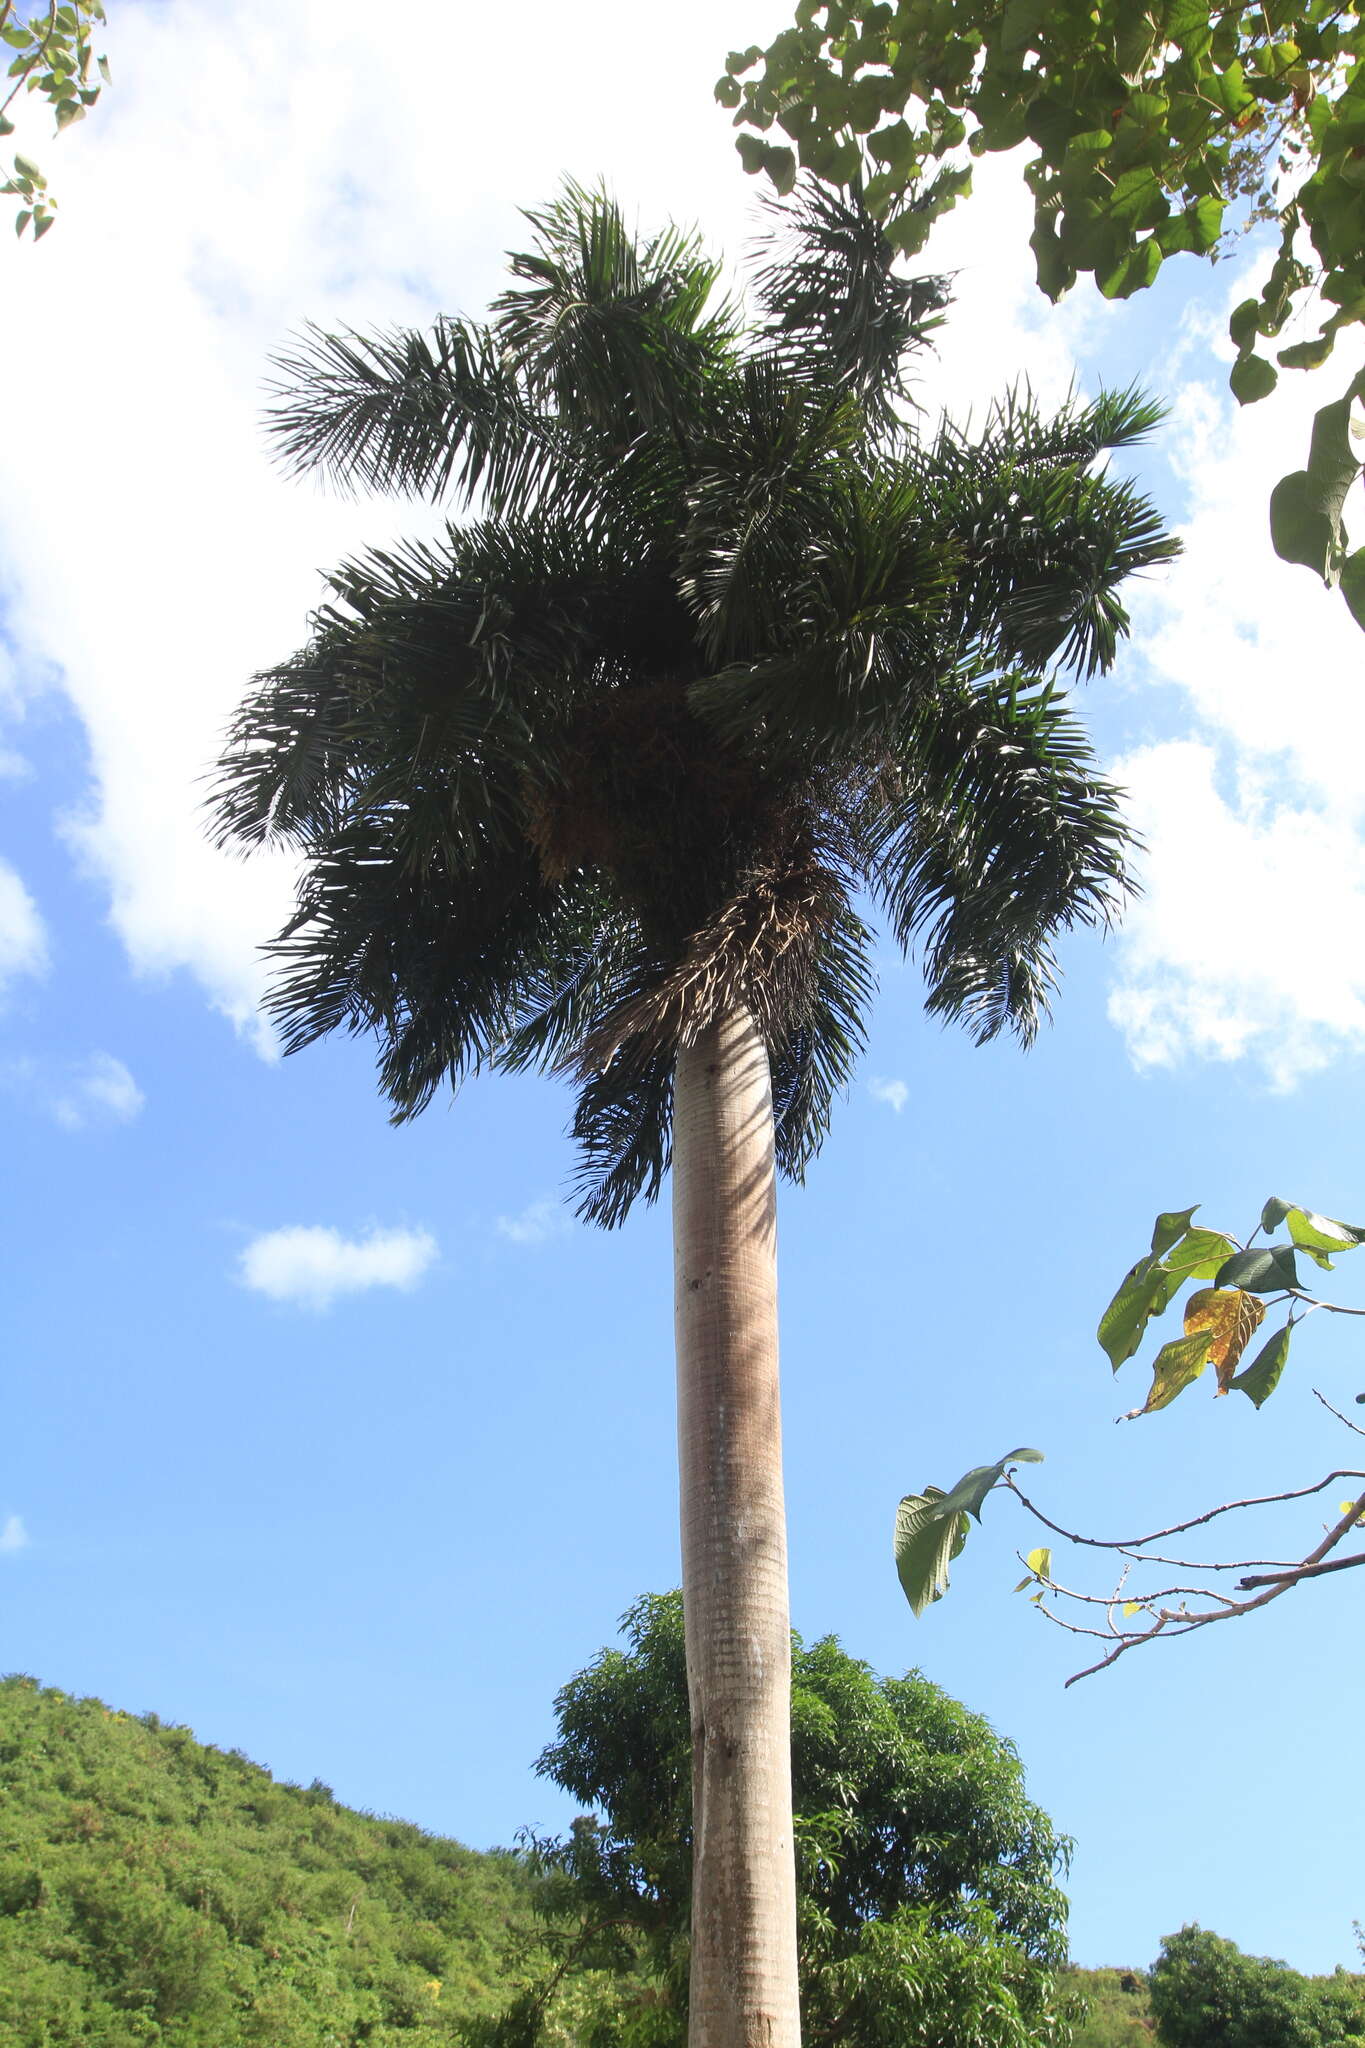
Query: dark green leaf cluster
x=729, y=647
x=1206, y=1994
x=156, y=1890
x=1147, y=124
x=929, y=1907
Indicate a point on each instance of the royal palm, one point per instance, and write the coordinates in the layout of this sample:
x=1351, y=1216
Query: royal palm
x=608, y=779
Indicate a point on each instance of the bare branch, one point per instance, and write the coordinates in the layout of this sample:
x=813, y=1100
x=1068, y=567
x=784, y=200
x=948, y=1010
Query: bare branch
x=1128, y=1543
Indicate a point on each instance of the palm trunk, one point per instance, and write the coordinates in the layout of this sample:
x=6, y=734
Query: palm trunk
x=734, y=1545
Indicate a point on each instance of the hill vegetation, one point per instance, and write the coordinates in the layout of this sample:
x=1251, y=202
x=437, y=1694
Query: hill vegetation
x=155, y=1890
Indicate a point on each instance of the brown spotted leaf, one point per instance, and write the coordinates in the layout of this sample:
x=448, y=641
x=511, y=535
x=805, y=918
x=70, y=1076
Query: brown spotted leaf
x=1231, y=1317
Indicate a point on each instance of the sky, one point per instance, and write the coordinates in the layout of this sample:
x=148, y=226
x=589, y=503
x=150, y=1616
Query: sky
x=346, y=1445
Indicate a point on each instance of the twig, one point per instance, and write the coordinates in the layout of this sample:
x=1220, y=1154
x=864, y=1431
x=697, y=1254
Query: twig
x=1177, y=1528
x=1354, y=1427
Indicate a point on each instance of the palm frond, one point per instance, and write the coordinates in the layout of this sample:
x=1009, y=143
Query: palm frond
x=432, y=964
x=837, y=313
x=1000, y=836
x=623, y=1124
x=1044, y=540
x=604, y=329
x=767, y=482
x=413, y=414
x=814, y=1057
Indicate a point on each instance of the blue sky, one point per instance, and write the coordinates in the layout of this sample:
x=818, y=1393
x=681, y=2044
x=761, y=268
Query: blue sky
x=367, y=1538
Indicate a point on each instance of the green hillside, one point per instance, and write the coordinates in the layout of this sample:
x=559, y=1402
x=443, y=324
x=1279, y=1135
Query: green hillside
x=1119, y=2009
x=154, y=1890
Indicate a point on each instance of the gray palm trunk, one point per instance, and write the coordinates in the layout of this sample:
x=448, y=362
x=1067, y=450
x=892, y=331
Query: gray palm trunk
x=734, y=1544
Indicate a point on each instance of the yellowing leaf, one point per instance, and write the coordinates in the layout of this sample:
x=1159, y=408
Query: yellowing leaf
x=1231, y=1317
x=1039, y=1562
x=1131, y=1607
x=1174, y=1368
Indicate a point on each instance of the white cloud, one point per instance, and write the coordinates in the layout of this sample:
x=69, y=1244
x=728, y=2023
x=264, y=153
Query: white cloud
x=537, y=1224
x=102, y=1091
x=13, y=1536
x=311, y=1265
x=1250, y=939
x=894, y=1093
x=23, y=941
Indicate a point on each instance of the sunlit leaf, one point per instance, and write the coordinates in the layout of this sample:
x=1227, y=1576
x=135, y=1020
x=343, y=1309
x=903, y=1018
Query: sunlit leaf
x=927, y=1540
x=1176, y=1366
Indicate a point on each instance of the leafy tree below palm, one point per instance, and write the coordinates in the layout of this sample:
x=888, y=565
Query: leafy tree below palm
x=928, y=1904
x=600, y=783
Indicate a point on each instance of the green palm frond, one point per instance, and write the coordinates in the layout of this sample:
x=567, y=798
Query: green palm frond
x=836, y=311
x=623, y=1126
x=814, y=1058
x=768, y=479
x=607, y=331
x=431, y=964
x=412, y=414
x=1045, y=542
x=1000, y=836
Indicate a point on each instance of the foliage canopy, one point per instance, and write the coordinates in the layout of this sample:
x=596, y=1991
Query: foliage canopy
x=730, y=642
x=1206, y=1994
x=1147, y=122
x=928, y=1897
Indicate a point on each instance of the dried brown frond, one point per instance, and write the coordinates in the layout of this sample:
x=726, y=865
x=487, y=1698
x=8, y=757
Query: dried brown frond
x=758, y=950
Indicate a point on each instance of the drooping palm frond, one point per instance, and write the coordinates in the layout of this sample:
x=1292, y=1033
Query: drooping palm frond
x=814, y=1058
x=836, y=310
x=1000, y=836
x=623, y=1127
x=431, y=964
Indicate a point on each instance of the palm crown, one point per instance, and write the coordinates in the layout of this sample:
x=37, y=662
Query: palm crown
x=730, y=648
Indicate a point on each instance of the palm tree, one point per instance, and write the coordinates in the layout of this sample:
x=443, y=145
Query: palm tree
x=602, y=782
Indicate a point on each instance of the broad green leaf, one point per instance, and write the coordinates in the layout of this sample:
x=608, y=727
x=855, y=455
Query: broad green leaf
x=970, y=1492
x=927, y=1541
x=26, y=167
x=1169, y=1228
x=1266, y=1271
x=1197, y=1256
x=1242, y=326
x=41, y=223
x=1176, y=1366
x=1230, y=1319
x=1262, y=1376
x=1252, y=378
x=1305, y=355
x=1274, y=1213
x=1322, y=1233
x=1133, y=273
x=1145, y=1291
